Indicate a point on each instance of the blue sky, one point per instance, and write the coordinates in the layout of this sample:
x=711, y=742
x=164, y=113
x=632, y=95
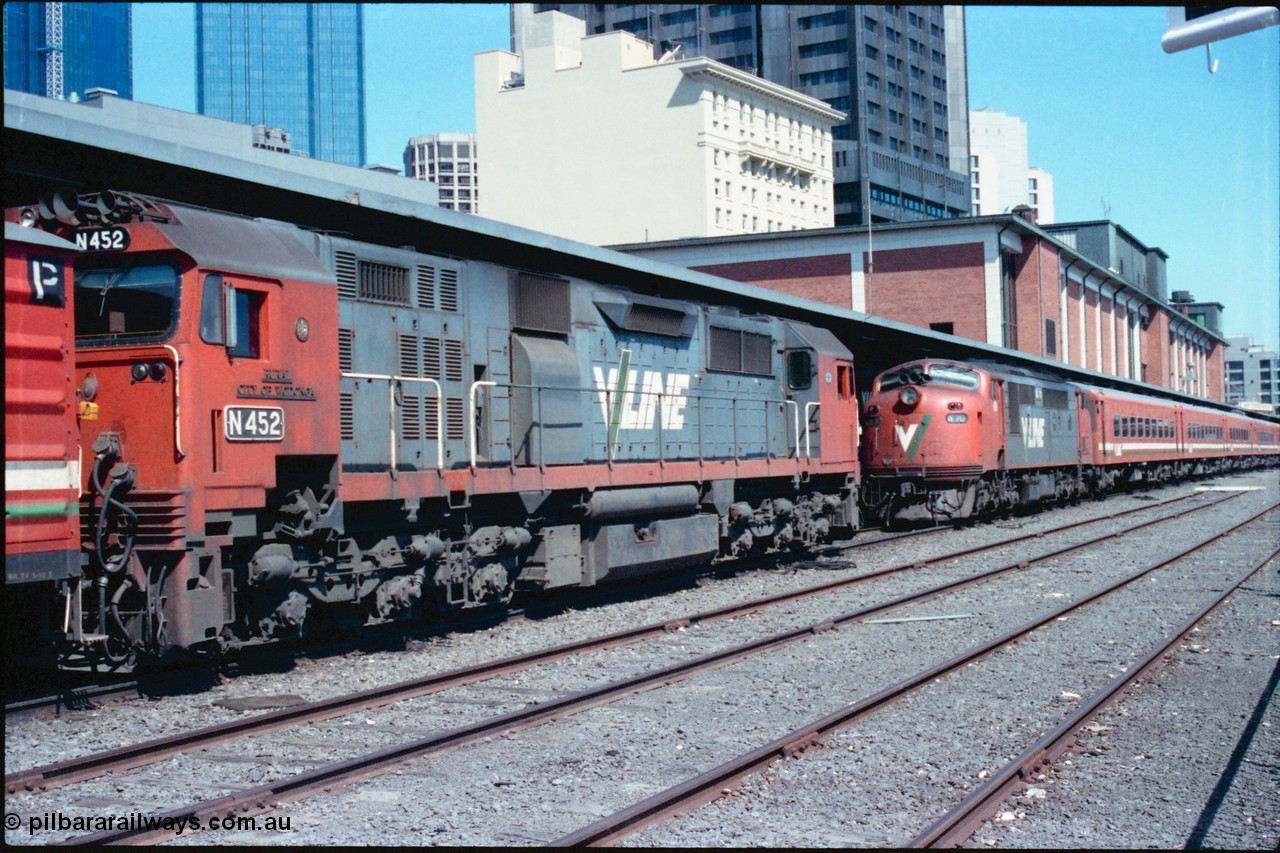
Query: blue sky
x=1185, y=160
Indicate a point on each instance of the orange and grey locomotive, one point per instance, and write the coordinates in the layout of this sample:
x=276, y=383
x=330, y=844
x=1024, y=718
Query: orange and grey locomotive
x=294, y=428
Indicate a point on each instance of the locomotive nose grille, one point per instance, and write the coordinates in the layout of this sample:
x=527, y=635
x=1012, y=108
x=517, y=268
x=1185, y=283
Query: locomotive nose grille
x=161, y=517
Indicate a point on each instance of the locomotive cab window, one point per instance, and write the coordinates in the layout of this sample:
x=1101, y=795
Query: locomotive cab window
x=231, y=317
x=125, y=305
x=799, y=369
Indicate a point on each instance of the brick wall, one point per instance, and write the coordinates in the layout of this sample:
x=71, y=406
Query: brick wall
x=824, y=278
x=1155, y=350
x=1216, y=366
x=930, y=284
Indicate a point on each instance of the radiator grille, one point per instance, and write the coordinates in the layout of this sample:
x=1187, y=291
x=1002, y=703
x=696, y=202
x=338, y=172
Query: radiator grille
x=161, y=518
x=383, y=283
x=757, y=354
x=346, y=342
x=448, y=290
x=411, y=418
x=453, y=359
x=453, y=419
x=410, y=365
x=431, y=358
x=426, y=285
x=651, y=318
x=347, y=416
x=726, y=349
x=540, y=303
x=344, y=264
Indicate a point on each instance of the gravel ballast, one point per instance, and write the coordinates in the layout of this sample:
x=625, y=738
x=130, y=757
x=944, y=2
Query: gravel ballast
x=876, y=783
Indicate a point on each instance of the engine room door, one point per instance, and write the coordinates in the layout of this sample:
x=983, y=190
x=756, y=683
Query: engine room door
x=840, y=420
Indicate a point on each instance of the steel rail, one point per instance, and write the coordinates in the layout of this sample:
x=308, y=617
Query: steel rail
x=709, y=786
x=326, y=777
x=957, y=825
x=79, y=769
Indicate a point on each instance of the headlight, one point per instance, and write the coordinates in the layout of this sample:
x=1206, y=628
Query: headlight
x=957, y=418
x=909, y=396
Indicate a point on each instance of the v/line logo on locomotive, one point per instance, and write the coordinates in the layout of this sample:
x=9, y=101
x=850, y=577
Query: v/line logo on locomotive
x=1032, y=431
x=631, y=402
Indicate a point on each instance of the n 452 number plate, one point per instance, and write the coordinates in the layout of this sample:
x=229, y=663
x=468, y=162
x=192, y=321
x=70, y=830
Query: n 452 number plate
x=253, y=423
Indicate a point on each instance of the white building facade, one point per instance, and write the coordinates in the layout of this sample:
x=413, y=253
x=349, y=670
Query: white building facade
x=449, y=160
x=593, y=139
x=999, y=177
x=1253, y=374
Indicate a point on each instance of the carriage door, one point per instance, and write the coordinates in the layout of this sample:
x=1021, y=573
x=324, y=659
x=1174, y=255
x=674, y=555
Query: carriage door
x=1085, y=428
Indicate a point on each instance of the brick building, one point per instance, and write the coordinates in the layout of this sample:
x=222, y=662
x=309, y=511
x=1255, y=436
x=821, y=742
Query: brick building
x=1088, y=295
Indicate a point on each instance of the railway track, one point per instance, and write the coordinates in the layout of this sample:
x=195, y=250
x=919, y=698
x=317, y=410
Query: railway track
x=956, y=826
x=89, y=766
x=300, y=785
x=83, y=693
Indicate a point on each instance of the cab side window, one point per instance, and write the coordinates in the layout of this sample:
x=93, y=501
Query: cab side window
x=231, y=317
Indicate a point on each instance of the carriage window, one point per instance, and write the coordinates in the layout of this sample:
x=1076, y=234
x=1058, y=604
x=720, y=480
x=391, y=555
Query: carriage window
x=126, y=305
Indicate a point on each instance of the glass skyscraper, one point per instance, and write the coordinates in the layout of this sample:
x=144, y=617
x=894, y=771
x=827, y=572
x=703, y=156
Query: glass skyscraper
x=94, y=51
x=295, y=66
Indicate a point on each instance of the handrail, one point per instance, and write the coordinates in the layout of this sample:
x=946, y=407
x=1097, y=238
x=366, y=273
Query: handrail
x=807, y=406
x=391, y=381
x=177, y=402
x=795, y=413
x=472, y=436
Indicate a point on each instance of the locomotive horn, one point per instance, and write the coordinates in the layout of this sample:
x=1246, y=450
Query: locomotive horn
x=107, y=205
x=66, y=207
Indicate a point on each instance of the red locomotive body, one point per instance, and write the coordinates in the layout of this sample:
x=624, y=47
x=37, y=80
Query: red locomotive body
x=42, y=465
x=935, y=450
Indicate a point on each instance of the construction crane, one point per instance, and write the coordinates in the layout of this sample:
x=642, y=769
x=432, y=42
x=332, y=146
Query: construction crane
x=52, y=50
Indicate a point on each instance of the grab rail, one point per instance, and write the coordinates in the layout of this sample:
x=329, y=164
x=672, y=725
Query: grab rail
x=391, y=409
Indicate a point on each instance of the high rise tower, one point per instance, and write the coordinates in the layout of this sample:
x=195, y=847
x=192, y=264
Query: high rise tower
x=294, y=66
x=63, y=49
x=898, y=71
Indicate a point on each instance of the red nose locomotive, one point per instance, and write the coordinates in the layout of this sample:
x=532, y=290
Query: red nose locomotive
x=946, y=440
x=296, y=428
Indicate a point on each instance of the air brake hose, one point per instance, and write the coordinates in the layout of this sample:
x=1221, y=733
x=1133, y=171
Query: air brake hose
x=107, y=501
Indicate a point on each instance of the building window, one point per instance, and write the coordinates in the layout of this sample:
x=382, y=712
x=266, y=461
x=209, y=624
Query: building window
x=824, y=48
x=1050, y=337
x=830, y=19
x=730, y=36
